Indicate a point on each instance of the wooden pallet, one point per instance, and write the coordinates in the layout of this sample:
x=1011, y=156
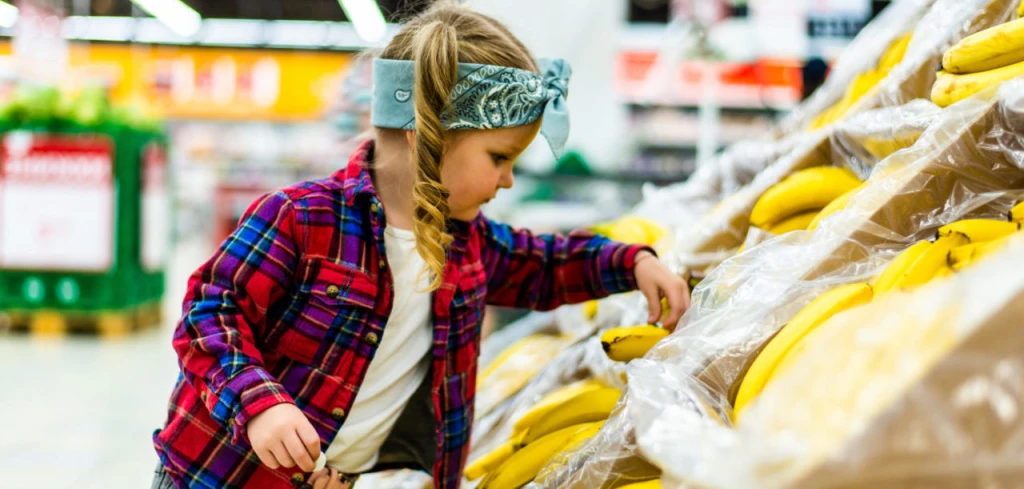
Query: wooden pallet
x=107, y=324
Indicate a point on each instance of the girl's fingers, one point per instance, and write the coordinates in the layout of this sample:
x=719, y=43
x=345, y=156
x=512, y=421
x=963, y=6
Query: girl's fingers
x=297, y=451
x=679, y=302
x=268, y=458
x=281, y=454
x=653, y=302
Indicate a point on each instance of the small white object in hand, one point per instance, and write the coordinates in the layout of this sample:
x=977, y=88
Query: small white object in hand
x=321, y=462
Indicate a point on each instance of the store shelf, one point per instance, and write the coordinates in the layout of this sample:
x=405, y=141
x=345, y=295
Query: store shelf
x=624, y=177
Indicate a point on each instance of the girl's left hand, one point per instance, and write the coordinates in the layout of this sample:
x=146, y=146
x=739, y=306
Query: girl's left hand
x=655, y=281
x=327, y=478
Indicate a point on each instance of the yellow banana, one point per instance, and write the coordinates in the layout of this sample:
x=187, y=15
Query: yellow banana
x=931, y=261
x=995, y=47
x=628, y=342
x=980, y=230
x=1017, y=213
x=491, y=460
x=809, y=189
x=520, y=468
x=587, y=407
x=894, y=54
x=963, y=256
x=945, y=272
x=887, y=280
x=950, y=88
x=590, y=310
x=651, y=484
x=551, y=401
x=798, y=222
x=818, y=311
x=834, y=206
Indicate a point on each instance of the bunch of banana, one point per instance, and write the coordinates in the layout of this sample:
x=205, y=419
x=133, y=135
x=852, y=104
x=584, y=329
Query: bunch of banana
x=632, y=230
x=863, y=83
x=986, y=236
x=628, y=342
x=514, y=367
x=1017, y=213
x=525, y=463
x=586, y=403
x=794, y=202
x=818, y=311
x=919, y=264
x=980, y=60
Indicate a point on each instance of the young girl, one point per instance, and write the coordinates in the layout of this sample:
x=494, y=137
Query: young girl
x=340, y=321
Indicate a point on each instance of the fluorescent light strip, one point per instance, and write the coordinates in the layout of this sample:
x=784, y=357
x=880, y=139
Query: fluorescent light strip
x=8, y=15
x=175, y=14
x=367, y=18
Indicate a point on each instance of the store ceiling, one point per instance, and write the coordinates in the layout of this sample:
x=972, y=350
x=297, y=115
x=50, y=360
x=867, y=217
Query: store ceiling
x=254, y=9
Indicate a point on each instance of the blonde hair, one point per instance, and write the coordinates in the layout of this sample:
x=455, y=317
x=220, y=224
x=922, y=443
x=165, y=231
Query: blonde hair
x=436, y=41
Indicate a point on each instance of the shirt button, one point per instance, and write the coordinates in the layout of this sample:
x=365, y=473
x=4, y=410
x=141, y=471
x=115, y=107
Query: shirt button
x=332, y=291
x=374, y=208
x=298, y=479
x=382, y=263
x=338, y=414
x=371, y=338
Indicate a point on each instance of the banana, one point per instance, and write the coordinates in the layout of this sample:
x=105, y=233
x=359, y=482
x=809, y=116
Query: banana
x=951, y=88
x=931, y=261
x=980, y=230
x=944, y=272
x=1017, y=213
x=894, y=53
x=887, y=280
x=551, y=401
x=587, y=407
x=818, y=311
x=628, y=342
x=798, y=222
x=1020, y=10
x=835, y=206
x=809, y=189
x=520, y=468
x=590, y=310
x=491, y=460
x=651, y=484
x=989, y=49
x=575, y=441
x=963, y=256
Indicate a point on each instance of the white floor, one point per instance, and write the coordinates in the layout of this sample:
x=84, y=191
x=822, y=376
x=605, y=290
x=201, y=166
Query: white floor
x=80, y=412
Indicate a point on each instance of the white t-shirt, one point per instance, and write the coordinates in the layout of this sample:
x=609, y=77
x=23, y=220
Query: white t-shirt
x=399, y=367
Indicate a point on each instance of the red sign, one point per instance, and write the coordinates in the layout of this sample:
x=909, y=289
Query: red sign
x=32, y=157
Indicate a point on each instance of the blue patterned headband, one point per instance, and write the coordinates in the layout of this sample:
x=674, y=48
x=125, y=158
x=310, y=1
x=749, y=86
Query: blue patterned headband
x=485, y=97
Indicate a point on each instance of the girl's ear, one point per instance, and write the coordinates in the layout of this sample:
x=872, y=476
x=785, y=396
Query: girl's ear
x=410, y=137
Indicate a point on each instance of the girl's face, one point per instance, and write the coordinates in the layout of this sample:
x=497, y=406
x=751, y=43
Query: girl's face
x=478, y=163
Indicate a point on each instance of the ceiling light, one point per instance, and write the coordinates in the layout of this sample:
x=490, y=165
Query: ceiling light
x=365, y=15
x=175, y=14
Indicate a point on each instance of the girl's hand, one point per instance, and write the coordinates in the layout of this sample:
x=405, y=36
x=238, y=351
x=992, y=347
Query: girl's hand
x=283, y=437
x=327, y=478
x=655, y=281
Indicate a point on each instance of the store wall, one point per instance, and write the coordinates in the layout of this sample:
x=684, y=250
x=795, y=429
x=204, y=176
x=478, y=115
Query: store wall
x=586, y=33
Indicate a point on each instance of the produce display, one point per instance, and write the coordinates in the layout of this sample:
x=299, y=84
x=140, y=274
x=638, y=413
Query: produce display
x=856, y=321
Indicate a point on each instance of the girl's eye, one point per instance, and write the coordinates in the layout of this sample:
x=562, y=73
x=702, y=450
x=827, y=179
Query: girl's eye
x=499, y=159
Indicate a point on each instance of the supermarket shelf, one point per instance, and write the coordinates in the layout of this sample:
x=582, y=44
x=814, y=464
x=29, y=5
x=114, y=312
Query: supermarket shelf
x=770, y=109
x=626, y=177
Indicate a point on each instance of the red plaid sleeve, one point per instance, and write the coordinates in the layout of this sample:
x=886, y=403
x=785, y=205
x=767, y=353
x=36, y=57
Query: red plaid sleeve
x=544, y=271
x=224, y=314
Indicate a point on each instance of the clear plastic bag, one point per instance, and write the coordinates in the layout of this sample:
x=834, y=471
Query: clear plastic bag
x=968, y=163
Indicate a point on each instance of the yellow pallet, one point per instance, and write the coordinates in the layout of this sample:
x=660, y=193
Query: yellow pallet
x=57, y=324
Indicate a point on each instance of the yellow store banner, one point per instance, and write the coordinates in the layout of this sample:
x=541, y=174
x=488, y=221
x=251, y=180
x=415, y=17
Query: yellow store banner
x=213, y=83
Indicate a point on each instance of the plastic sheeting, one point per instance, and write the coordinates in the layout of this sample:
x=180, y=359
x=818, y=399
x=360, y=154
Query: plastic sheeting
x=918, y=390
x=724, y=229
x=966, y=164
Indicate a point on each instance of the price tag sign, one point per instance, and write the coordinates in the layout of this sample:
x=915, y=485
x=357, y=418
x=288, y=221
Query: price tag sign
x=156, y=212
x=57, y=207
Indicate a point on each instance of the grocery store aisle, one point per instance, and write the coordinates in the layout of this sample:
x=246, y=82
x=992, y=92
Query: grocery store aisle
x=79, y=413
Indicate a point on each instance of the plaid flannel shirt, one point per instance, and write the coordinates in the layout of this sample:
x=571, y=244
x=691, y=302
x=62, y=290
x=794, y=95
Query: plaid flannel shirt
x=292, y=306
